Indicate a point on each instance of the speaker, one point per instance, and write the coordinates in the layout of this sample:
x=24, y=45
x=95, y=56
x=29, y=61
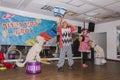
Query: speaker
x=79, y=29
x=91, y=26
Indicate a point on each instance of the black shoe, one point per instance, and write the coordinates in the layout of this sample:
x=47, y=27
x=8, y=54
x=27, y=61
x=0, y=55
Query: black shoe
x=60, y=68
x=15, y=66
x=71, y=67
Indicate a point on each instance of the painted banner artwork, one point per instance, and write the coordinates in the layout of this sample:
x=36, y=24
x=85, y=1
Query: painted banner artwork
x=22, y=30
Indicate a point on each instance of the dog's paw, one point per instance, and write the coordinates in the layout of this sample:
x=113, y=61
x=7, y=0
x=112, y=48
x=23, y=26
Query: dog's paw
x=103, y=61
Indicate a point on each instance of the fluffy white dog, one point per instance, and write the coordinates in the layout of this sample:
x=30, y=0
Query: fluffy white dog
x=99, y=52
x=33, y=53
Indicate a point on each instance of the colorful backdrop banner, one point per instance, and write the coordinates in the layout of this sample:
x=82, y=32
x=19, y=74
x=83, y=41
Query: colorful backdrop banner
x=22, y=30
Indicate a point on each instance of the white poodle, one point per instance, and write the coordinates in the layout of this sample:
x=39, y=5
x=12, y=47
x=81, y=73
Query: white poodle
x=99, y=52
x=33, y=53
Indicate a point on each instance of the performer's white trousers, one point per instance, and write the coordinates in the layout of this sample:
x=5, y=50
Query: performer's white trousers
x=67, y=50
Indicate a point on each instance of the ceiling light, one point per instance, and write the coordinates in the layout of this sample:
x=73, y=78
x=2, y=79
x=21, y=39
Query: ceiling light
x=70, y=13
x=91, y=14
x=89, y=0
x=93, y=19
x=64, y=1
x=47, y=8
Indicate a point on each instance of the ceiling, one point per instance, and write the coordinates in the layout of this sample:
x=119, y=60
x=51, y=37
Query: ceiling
x=80, y=10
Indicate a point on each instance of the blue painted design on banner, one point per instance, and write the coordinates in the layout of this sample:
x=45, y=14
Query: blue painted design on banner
x=53, y=31
x=54, y=28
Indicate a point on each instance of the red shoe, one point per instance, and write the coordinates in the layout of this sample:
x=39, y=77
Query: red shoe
x=84, y=65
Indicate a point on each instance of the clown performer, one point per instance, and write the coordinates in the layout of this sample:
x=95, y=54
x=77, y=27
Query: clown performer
x=65, y=30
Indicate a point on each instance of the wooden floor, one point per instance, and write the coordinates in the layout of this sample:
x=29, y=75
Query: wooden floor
x=110, y=71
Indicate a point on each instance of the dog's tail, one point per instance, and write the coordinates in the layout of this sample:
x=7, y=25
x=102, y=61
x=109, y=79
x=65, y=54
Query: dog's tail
x=20, y=64
x=103, y=61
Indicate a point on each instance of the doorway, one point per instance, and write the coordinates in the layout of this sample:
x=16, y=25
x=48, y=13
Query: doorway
x=101, y=40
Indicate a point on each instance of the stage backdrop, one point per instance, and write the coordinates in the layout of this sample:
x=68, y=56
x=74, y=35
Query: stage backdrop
x=22, y=30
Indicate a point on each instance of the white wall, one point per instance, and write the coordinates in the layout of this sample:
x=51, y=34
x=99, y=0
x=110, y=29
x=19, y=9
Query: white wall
x=110, y=28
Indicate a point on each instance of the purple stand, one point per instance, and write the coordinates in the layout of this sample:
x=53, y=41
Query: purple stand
x=33, y=67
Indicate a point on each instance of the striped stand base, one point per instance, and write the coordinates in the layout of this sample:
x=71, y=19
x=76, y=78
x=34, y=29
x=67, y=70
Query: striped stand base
x=33, y=67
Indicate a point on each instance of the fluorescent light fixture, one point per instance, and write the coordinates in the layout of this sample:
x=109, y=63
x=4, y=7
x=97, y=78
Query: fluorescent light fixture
x=91, y=14
x=93, y=19
x=89, y=0
x=70, y=13
x=64, y=1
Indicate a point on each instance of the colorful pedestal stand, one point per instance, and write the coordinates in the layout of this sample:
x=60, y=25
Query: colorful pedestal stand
x=33, y=67
x=58, y=11
x=98, y=61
